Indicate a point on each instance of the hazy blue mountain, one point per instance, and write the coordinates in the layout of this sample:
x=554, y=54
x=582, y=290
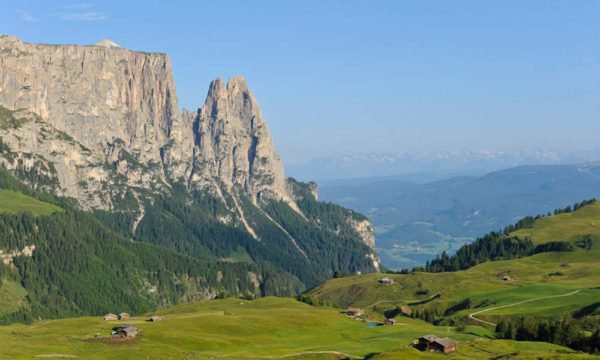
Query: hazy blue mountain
x=413, y=222
x=427, y=167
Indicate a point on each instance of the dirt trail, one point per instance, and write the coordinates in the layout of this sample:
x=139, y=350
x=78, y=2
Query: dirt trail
x=472, y=315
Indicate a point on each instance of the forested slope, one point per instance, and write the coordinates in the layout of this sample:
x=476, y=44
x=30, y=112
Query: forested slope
x=79, y=266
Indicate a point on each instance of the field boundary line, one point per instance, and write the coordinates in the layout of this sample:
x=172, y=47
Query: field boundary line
x=300, y=354
x=472, y=315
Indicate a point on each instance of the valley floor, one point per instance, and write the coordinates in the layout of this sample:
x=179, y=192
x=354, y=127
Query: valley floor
x=269, y=328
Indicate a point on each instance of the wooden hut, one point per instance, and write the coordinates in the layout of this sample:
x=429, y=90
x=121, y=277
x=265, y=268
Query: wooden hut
x=155, y=318
x=436, y=344
x=110, y=317
x=125, y=331
x=351, y=311
x=386, y=281
x=390, y=322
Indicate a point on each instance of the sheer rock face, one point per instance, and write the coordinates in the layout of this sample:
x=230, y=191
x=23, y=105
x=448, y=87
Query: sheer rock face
x=96, y=94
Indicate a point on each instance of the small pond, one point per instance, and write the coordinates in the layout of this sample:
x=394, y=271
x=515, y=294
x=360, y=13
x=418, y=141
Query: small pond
x=374, y=323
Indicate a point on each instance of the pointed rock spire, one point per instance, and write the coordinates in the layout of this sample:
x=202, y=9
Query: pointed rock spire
x=235, y=143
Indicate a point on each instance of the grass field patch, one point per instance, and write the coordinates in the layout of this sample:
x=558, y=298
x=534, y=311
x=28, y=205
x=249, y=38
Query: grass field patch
x=12, y=202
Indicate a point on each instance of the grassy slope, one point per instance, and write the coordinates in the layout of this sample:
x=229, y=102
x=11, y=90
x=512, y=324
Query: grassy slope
x=12, y=296
x=585, y=221
x=15, y=202
x=498, y=349
x=482, y=283
x=234, y=328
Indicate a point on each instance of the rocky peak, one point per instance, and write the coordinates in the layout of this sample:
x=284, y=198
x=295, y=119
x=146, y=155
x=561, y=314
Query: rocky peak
x=233, y=136
x=9, y=40
x=107, y=43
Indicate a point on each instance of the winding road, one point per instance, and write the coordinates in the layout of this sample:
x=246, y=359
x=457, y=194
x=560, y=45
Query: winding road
x=472, y=315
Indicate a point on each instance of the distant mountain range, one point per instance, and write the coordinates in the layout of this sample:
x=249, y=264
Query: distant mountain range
x=427, y=167
x=414, y=222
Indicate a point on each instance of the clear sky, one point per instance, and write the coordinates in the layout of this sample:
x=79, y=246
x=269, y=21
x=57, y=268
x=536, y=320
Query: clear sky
x=337, y=77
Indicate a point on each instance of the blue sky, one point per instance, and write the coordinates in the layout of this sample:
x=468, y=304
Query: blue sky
x=337, y=77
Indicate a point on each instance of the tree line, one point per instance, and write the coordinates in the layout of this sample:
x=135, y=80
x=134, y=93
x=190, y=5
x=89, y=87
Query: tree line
x=566, y=332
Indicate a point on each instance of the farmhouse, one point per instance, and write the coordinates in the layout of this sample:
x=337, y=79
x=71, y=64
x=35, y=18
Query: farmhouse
x=386, y=281
x=436, y=344
x=110, y=317
x=406, y=310
x=125, y=330
x=155, y=318
x=124, y=316
x=354, y=311
x=390, y=322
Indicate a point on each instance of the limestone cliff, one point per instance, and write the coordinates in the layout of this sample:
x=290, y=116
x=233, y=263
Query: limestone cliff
x=96, y=94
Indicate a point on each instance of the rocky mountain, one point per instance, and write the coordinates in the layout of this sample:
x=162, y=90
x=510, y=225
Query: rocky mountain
x=101, y=125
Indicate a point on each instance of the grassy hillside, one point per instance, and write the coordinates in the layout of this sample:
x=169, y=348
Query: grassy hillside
x=12, y=296
x=498, y=349
x=565, y=227
x=542, y=275
x=265, y=328
x=12, y=202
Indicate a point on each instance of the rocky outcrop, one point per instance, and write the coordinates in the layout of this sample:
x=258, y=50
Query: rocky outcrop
x=7, y=256
x=364, y=229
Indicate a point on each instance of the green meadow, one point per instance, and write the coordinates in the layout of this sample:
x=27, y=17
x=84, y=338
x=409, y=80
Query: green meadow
x=564, y=227
x=14, y=202
x=12, y=296
x=239, y=329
